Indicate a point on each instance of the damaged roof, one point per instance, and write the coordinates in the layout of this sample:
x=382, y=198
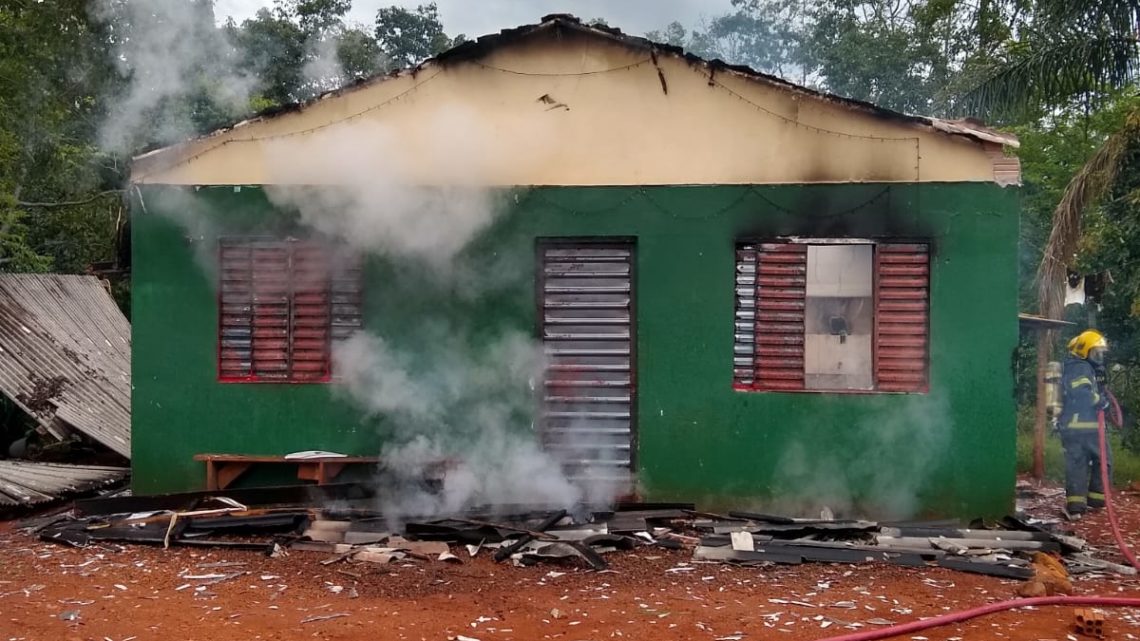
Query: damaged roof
x=65, y=356
x=562, y=23
x=26, y=483
x=474, y=49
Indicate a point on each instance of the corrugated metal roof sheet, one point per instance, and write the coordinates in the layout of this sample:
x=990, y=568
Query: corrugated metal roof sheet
x=31, y=483
x=65, y=356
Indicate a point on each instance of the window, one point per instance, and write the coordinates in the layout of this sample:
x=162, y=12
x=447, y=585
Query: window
x=831, y=316
x=282, y=304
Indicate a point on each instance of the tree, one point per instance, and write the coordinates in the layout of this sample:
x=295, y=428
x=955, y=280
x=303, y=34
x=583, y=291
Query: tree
x=1076, y=52
x=55, y=67
x=674, y=34
x=273, y=47
x=410, y=37
x=762, y=34
x=1082, y=55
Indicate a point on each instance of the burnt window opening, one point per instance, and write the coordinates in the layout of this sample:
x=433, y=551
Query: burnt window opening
x=832, y=316
x=282, y=305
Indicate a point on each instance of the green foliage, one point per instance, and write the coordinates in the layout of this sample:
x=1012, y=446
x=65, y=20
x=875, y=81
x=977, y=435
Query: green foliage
x=908, y=55
x=85, y=84
x=409, y=37
x=53, y=72
x=760, y=34
x=1125, y=464
x=273, y=47
x=1073, y=50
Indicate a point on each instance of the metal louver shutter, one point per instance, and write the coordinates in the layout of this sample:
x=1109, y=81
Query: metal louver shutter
x=587, y=326
x=744, y=331
x=781, y=283
x=902, y=272
x=235, y=299
x=346, y=288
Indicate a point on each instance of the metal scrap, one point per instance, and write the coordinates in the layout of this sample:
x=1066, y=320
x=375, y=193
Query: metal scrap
x=27, y=483
x=66, y=356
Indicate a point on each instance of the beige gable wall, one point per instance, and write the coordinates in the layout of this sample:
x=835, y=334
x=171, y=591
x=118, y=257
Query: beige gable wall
x=572, y=110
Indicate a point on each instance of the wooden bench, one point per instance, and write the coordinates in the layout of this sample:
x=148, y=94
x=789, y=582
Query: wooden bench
x=223, y=469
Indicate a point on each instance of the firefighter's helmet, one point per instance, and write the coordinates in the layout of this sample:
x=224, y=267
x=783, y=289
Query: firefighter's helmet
x=1086, y=342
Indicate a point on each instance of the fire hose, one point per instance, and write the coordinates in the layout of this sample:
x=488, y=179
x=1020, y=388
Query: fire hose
x=964, y=615
x=1001, y=606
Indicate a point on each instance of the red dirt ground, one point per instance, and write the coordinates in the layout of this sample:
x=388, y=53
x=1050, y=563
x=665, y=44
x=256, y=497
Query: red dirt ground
x=49, y=593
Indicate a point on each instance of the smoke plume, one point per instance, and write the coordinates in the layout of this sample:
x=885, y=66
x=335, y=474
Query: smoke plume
x=374, y=203
x=468, y=407
x=447, y=393
x=912, y=439
x=171, y=57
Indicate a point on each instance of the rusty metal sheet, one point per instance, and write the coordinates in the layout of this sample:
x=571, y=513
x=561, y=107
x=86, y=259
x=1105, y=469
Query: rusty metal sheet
x=65, y=356
x=24, y=483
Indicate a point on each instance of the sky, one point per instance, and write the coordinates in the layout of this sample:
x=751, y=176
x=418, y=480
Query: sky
x=479, y=17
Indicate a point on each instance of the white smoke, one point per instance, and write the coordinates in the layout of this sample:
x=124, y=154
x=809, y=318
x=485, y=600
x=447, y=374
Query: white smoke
x=446, y=394
x=193, y=217
x=169, y=52
x=323, y=70
x=897, y=455
x=469, y=407
x=374, y=202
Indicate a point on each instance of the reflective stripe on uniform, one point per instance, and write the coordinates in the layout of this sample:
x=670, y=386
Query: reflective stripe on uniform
x=1076, y=424
x=1077, y=382
x=1075, y=499
x=1096, y=496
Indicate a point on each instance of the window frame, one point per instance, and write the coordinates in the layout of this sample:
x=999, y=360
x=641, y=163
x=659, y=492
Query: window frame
x=877, y=244
x=347, y=269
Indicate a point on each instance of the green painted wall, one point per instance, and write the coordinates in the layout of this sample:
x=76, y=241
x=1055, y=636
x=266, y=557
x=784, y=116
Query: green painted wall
x=948, y=452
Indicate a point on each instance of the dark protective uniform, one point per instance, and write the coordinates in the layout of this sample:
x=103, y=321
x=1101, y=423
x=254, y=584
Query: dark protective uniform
x=1083, y=397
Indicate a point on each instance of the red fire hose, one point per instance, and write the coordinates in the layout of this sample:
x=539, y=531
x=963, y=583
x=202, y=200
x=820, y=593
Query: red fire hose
x=964, y=615
x=1107, y=483
x=958, y=617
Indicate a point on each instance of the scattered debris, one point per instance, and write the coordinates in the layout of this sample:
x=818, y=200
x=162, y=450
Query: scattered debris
x=27, y=483
x=354, y=533
x=324, y=617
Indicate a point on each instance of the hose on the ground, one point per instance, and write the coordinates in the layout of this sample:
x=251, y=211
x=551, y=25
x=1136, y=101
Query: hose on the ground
x=964, y=615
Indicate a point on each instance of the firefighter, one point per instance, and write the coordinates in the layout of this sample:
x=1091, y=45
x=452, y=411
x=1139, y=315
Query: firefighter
x=1084, y=397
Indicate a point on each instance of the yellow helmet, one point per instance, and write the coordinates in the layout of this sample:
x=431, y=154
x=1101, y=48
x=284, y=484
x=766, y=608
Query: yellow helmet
x=1087, y=341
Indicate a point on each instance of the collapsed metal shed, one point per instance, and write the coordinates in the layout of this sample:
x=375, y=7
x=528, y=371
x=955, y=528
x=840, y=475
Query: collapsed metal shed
x=24, y=483
x=65, y=356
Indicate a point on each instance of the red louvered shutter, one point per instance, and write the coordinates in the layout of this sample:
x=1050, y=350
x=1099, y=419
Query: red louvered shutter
x=781, y=281
x=270, y=310
x=282, y=304
x=310, y=317
x=902, y=273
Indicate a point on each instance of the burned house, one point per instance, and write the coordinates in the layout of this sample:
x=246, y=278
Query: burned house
x=745, y=291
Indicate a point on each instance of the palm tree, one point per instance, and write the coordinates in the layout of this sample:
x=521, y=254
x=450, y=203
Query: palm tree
x=1073, y=50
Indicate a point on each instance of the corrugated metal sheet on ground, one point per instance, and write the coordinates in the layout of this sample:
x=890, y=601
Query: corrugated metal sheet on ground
x=31, y=483
x=67, y=329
